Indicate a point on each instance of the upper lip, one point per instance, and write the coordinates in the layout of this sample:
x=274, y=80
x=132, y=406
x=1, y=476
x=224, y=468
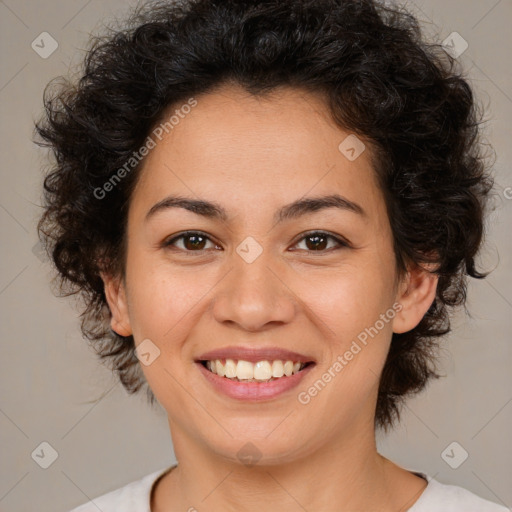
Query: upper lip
x=254, y=355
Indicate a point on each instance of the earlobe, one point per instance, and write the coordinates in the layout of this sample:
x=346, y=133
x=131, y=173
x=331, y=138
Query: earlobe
x=416, y=294
x=115, y=294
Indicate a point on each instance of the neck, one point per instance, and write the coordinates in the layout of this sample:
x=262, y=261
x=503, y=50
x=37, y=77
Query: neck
x=344, y=473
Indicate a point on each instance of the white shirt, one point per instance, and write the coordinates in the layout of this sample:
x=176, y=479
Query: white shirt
x=436, y=497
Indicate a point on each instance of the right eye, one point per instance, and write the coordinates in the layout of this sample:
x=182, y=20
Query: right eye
x=193, y=241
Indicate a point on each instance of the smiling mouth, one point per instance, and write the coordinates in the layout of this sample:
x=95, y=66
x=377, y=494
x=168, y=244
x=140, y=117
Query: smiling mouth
x=261, y=371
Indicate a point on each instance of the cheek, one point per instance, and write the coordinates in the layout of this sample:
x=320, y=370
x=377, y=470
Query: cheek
x=355, y=340
x=351, y=298
x=165, y=304
x=162, y=297
x=350, y=303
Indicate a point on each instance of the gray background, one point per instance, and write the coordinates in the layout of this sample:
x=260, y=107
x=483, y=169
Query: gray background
x=53, y=388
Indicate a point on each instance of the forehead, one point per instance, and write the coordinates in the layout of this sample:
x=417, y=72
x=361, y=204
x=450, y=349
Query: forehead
x=248, y=152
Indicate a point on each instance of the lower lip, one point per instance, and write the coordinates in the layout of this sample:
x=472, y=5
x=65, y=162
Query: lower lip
x=254, y=391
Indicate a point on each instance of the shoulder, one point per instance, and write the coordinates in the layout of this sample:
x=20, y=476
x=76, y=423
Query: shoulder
x=133, y=497
x=452, y=498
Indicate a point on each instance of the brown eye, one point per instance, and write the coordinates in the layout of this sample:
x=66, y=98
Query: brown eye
x=191, y=242
x=318, y=241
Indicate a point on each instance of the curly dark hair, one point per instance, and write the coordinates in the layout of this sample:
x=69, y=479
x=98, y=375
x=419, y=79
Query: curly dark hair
x=380, y=80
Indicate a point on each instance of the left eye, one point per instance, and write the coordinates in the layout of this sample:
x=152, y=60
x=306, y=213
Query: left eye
x=318, y=241
x=195, y=241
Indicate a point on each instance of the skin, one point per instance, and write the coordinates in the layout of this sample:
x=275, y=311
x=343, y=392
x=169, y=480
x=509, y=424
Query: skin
x=252, y=156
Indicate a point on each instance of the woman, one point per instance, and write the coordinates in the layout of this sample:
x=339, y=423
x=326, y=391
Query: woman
x=270, y=209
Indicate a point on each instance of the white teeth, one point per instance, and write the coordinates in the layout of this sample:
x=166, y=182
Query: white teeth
x=244, y=370
x=230, y=368
x=260, y=371
x=277, y=369
x=219, y=367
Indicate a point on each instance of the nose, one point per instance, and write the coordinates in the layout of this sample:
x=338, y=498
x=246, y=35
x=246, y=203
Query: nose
x=254, y=296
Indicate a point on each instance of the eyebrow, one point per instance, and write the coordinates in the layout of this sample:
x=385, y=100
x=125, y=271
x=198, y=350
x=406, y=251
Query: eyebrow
x=290, y=211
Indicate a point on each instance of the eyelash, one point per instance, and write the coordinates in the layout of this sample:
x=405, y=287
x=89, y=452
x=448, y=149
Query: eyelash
x=341, y=242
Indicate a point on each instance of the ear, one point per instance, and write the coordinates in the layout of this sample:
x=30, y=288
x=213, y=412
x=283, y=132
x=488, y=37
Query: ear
x=116, y=298
x=416, y=294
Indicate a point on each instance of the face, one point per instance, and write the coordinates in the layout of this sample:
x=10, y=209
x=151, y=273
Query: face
x=263, y=275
